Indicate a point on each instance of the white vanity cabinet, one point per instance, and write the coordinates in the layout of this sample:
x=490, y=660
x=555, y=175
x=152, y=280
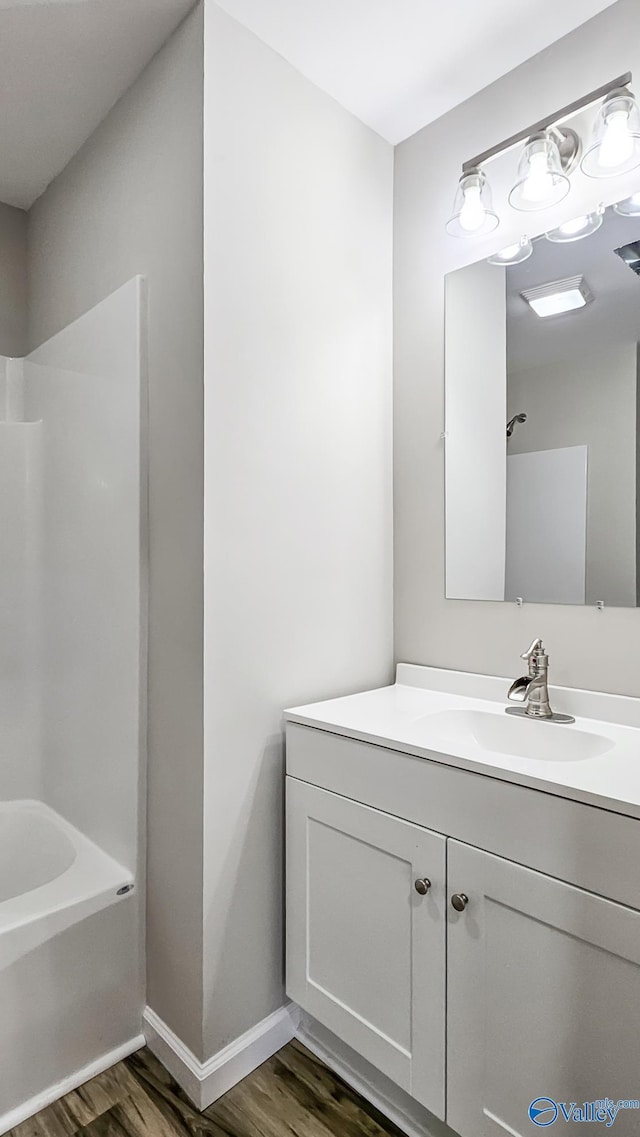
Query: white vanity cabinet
x=531, y=990
x=543, y=997
x=366, y=934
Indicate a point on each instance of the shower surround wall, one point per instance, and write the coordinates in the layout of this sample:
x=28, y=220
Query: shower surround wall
x=85, y=386
x=73, y=510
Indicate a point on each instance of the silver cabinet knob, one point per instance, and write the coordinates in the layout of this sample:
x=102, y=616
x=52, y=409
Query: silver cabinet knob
x=423, y=885
x=459, y=901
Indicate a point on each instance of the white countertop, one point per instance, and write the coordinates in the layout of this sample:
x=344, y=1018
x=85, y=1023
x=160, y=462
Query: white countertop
x=407, y=717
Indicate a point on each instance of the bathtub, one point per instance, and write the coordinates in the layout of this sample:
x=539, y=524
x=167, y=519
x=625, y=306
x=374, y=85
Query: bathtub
x=51, y=876
x=69, y=923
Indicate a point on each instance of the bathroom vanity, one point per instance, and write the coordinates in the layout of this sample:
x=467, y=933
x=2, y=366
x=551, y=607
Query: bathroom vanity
x=463, y=894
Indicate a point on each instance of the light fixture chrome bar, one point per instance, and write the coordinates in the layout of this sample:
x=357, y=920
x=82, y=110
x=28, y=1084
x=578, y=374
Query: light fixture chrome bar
x=546, y=123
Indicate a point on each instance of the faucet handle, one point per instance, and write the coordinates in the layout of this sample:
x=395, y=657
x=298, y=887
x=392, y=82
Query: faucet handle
x=536, y=646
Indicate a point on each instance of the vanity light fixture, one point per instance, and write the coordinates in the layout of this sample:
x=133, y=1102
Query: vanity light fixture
x=615, y=142
x=473, y=213
x=630, y=207
x=552, y=151
x=513, y=254
x=578, y=228
x=559, y=296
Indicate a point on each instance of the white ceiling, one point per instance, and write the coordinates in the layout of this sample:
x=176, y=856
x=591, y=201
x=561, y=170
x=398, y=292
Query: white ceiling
x=399, y=64
x=63, y=65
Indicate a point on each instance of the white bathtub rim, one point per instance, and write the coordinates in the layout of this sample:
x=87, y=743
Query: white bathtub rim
x=92, y=873
x=47, y=1097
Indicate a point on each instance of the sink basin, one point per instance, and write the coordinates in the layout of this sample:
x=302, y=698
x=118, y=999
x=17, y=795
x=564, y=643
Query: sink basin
x=502, y=734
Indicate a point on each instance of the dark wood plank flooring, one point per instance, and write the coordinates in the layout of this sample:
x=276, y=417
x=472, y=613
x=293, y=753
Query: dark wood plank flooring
x=291, y=1095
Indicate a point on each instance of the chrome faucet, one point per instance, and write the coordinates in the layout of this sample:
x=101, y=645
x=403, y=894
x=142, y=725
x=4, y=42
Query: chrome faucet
x=533, y=689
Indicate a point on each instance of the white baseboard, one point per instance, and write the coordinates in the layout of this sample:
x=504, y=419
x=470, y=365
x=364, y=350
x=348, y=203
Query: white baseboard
x=377, y=1089
x=205, y=1082
x=16, y=1116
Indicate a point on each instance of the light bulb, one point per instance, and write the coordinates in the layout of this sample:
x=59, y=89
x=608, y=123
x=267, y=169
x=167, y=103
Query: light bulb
x=617, y=144
x=539, y=185
x=615, y=140
x=577, y=228
x=509, y=252
x=513, y=254
x=630, y=207
x=541, y=179
x=571, y=227
x=472, y=214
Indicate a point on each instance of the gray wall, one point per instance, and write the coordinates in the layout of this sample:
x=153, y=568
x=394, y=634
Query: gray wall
x=131, y=202
x=13, y=281
x=588, y=648
x=298, y=574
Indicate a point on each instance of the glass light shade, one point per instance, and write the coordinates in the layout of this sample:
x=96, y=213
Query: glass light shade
x=473, y=214
x=541, y=179
x=513, y=254
x=630, y=207
x=578, y=228
x=615, y=142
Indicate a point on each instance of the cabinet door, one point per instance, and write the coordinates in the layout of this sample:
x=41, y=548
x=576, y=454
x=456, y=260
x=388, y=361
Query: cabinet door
x=365, y=951
x=543, y=999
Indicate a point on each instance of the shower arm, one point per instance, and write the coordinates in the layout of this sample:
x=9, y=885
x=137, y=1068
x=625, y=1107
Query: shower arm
x=512, y=422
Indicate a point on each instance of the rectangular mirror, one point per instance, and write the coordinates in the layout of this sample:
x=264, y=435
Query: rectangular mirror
x=542, y=418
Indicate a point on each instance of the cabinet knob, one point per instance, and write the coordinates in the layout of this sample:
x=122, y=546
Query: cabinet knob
x=459, y=901
x=423, y=885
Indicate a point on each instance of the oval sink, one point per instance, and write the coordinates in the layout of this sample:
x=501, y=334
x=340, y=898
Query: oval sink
x=518, y=737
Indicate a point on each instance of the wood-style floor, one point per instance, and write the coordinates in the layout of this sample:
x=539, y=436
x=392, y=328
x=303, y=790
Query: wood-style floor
x=291, y=1095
